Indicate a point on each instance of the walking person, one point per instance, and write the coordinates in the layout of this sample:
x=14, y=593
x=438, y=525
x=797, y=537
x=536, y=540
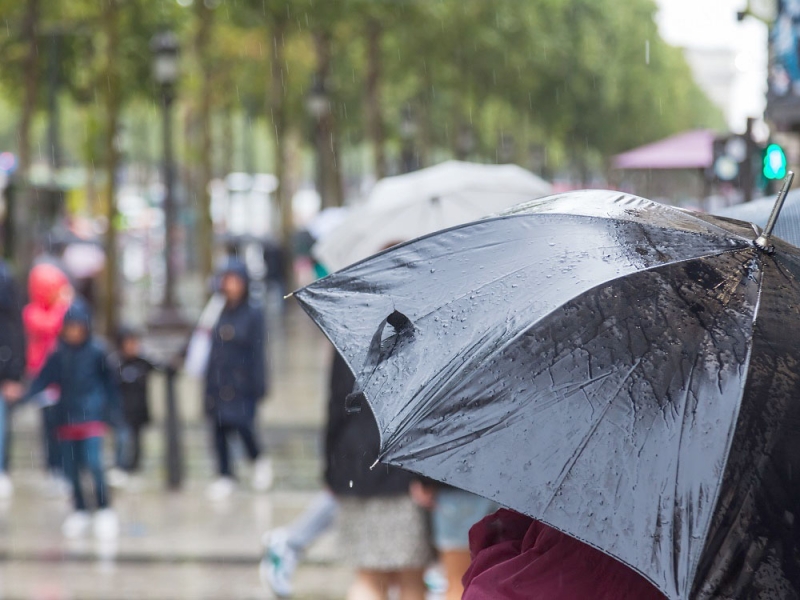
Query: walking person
x=383, y=534
x=236, y=380
x=453, y=513
x=12, y=362
x=89, y=399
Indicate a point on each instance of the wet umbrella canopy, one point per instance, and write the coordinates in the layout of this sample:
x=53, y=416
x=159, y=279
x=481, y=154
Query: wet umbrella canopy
x=622, y=370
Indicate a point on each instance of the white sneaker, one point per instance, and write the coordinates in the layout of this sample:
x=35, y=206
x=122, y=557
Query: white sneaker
x=76, y=525
x=278, y=563
x=117, y=478
x=106, y=524
x=221, y=489
x=6, y=487
x=263, y=474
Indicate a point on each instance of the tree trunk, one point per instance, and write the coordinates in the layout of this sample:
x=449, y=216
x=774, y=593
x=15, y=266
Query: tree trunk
x=111, y=95
x=205, y=226
x=278, y=116
x=330, y=177
x=227, y=139
x=22, y=213
x=375, y=127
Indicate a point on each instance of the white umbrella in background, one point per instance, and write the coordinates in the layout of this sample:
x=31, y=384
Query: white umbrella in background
x=326, y=221
x=84, y=260
x=408, y=206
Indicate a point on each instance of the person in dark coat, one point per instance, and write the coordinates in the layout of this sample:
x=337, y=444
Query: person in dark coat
x=384, y=535
x=89, y=400
x=236, y=379
x=133, y=371
x=12, y=362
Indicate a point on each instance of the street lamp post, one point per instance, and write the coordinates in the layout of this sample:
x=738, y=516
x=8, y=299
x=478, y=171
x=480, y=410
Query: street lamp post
x=165, y=72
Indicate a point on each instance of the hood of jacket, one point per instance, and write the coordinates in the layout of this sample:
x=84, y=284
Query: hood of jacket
x=236, y=267
x=79, y=312
x=45, y=284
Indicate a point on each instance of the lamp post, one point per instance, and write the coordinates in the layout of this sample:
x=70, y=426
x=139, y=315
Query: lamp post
x=165, y=72
x=166, y=51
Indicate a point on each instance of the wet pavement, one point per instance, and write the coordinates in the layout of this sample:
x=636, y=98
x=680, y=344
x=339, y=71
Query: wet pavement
x=180, y=545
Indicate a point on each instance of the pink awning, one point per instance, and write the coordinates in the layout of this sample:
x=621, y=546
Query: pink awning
x=688, y=150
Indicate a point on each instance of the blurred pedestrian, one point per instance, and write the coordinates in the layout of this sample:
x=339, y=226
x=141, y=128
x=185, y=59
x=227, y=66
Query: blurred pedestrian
x=89, y=399
x=284, y=547
x=236, y=380
x=382, y=532
x=12, y=362
x=517, y=558
x=49, y=297
x=453, y=513
x=133, y=373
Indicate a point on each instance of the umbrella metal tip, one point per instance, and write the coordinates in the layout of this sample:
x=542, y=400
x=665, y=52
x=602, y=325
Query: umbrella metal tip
x=762, y=241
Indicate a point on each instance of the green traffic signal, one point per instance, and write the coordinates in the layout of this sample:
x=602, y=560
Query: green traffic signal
x=774, y=162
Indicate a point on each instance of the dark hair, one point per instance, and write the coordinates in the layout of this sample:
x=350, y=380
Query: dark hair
x=125, y=333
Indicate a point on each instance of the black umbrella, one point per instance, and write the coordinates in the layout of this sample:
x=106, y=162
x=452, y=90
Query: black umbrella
x=624, y=371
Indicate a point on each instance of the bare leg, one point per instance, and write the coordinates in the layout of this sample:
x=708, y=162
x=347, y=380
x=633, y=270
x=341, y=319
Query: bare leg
x=370, y=585
x=455, y=563
x=412, y=585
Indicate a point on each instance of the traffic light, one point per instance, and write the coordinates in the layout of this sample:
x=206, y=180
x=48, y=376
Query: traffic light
x=774, y=164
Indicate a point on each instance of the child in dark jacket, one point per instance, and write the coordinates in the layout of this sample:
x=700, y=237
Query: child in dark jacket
x=133, y=371
x=89, y=400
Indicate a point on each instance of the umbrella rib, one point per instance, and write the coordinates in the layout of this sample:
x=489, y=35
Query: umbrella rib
x=588, y=436
x=735, y=420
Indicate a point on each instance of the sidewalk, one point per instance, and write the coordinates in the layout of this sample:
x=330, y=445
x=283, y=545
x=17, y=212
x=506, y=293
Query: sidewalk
x=180, y=546
x=171, y=546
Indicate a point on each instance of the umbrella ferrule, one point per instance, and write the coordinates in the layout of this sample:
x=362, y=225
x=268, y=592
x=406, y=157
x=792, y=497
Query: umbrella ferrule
x=762, y=241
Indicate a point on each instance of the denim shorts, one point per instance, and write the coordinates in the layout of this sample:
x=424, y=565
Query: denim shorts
x=456, y=511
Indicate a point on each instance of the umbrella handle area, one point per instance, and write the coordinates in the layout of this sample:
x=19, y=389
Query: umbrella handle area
x=762, y=241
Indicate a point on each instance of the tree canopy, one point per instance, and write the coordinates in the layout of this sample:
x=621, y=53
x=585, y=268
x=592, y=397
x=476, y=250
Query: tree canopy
x=581, y=79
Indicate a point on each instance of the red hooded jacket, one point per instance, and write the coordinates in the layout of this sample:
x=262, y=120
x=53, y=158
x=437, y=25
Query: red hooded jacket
x=43, y=316
x=517, y=558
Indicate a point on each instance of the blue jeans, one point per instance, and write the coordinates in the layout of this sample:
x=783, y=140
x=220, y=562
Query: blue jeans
x=314, y=521
x=122, y=447
x=86, y=455
x=52, y=447
x=455, y=513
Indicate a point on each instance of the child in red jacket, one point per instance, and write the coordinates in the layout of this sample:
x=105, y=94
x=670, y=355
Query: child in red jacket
x=50, y=294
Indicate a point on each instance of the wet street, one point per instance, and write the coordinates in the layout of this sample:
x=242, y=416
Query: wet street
x=180, y=545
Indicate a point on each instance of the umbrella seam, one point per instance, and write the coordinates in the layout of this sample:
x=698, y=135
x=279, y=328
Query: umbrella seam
x=735, y=420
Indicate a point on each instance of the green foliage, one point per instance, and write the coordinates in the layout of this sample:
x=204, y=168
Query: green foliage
x=584, y=78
